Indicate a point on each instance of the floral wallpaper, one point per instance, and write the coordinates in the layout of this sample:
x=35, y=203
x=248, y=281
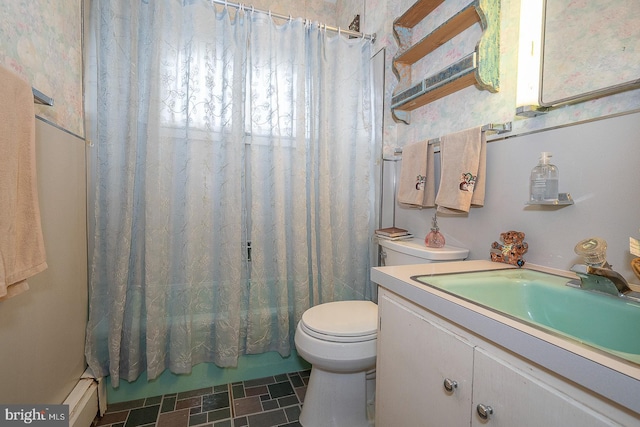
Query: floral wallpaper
x=41, y=41
x=470, y=106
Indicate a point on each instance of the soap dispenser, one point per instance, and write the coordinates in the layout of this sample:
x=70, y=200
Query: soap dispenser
x=434, y=239
x=543, y=186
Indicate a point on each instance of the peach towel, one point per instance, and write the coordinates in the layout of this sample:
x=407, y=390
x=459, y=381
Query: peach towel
x=417, y=177
x=463, y=161
x=22, y=252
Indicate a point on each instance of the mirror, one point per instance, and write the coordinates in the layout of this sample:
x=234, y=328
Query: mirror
x=590, y=49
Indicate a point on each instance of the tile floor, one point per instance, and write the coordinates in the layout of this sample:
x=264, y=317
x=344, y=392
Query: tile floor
x=264, y=402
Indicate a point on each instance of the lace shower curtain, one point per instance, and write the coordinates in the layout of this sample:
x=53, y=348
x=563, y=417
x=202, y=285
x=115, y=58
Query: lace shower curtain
x=233, y=182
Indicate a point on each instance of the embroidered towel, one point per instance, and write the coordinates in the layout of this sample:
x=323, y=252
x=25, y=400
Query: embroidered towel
x=462, y=173
x=417, y=177
x=22, y=251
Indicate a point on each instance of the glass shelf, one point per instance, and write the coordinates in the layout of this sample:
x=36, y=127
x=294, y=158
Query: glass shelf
x=564, y=199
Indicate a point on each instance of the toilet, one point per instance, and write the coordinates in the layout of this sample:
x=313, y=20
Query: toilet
x=338, y=339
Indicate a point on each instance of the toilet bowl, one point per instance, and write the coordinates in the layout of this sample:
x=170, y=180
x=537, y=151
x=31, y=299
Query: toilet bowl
x=339, y=340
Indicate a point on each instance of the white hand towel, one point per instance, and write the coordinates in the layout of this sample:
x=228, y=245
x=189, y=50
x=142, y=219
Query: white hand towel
x=462, y=173
x=417, y=177
x=22, y=251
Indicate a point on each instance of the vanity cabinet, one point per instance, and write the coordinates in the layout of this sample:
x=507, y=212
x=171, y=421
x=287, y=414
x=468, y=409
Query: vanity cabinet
x=414, y=358
x=519, y=399
x=433, y=373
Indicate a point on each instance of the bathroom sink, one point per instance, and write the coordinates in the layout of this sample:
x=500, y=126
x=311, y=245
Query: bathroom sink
x=544, y=301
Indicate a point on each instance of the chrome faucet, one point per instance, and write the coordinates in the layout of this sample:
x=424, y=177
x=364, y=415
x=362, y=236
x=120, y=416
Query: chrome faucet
x=603, y=280
x=596, y=273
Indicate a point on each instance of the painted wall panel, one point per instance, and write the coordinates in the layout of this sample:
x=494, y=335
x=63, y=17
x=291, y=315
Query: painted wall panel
x=42, y=329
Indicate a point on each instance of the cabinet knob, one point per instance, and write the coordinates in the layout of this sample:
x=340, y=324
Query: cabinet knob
x=450, y=385
x=484, y=411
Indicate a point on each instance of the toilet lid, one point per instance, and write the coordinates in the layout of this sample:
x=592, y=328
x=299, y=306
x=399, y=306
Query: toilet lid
x=342, y=321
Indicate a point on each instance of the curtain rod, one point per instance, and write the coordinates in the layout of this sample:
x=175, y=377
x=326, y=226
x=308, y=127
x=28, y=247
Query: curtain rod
x=339, y=30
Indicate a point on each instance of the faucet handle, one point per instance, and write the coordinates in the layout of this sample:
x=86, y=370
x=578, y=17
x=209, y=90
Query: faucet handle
x=593, y=251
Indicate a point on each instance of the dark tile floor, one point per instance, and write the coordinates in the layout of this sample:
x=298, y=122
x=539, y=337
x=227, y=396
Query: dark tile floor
x=264, y=402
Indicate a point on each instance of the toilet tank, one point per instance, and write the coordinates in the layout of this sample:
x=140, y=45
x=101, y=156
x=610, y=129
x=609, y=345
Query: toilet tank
x=414, y=251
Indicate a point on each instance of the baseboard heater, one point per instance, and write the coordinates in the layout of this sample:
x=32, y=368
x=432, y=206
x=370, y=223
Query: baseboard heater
x=86, y=401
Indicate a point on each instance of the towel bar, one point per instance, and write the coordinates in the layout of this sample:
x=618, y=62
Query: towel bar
x=41, y=98
x=491, y=127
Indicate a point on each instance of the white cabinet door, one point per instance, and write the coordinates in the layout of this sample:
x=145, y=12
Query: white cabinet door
x=517, y=399
x=415, y=356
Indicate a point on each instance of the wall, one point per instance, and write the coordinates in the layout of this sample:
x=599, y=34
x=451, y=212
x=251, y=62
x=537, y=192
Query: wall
x=323, y=11
x=469, y=107
x=598, y=167
x=593, y=148
x=41, y=41
x=42, y=330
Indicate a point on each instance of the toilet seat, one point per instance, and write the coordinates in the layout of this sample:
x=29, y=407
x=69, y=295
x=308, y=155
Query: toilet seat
x=342, y=321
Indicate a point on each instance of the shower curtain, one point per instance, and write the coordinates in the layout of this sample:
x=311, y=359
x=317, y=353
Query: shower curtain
x=233, y=179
